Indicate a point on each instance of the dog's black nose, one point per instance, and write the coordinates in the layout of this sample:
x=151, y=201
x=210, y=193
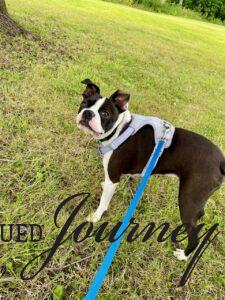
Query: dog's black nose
x=88, y=115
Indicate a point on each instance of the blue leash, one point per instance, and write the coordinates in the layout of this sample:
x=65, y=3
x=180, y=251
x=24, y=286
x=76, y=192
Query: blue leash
x=103, y=269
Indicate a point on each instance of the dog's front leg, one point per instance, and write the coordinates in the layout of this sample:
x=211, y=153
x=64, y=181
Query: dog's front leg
x=108, y=191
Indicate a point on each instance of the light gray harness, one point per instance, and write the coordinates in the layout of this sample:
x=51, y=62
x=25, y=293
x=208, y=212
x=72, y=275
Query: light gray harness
x=137, y=122
x=162, y=130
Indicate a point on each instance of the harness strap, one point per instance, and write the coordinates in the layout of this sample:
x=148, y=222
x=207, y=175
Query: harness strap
x=138, y=121
x=118, y=141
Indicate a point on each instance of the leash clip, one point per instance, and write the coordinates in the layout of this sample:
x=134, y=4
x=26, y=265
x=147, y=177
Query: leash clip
x=167, y=128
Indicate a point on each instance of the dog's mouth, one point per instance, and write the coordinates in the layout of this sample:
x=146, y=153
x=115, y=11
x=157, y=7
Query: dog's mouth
x=86, y=125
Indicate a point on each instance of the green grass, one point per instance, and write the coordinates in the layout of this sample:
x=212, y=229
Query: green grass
x=174, y=69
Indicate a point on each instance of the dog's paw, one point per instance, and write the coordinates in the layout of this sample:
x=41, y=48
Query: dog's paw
x=94, y=217
x=180, y=255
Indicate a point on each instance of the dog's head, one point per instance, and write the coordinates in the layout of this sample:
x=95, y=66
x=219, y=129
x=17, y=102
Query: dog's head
x=100, y=115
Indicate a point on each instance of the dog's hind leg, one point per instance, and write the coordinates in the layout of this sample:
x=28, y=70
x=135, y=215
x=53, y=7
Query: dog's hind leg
x=193, y=194
x=201, y=214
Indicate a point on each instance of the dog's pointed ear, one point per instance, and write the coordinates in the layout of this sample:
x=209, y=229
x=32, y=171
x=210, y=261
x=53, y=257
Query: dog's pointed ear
x=121, y=99
x=91, y=88
x=87, y=81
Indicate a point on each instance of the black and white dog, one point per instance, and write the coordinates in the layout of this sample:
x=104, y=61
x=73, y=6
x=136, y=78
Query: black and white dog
x=198, y=163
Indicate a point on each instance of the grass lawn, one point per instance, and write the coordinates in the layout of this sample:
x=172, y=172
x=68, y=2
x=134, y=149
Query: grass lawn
x=174, y=68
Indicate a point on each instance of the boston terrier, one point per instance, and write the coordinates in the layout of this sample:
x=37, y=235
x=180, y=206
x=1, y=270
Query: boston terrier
x=198, y=163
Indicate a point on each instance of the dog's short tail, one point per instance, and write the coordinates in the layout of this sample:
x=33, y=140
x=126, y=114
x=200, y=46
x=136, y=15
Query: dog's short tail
x=222, y=167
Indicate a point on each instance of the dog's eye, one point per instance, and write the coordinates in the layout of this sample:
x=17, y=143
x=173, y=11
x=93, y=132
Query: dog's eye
x=105, y=114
